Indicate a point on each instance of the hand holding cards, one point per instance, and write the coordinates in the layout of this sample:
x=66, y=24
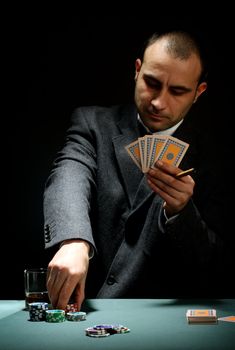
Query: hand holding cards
x=145, y=151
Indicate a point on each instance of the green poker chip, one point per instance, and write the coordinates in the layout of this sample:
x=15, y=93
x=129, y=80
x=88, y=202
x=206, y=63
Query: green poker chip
x=55, y=315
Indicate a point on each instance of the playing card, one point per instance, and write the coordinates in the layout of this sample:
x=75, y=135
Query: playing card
x=172, y=151
x=134, y=152
x=147, y=152
x=156, y=146
x=227, y=319
x=142, y=152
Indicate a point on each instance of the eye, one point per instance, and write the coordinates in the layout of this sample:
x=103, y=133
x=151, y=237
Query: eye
x=177, y=92
x=153, y=83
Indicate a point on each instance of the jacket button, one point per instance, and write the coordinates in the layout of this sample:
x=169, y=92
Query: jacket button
x=111, y=280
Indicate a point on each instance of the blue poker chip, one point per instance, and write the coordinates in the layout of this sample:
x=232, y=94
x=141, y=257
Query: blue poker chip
x=38, y=306
x=108, y=326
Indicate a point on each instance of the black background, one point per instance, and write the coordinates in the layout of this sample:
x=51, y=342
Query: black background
x=57, y=62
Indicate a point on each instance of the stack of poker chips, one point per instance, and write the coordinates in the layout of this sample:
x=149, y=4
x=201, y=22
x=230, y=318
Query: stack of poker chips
x=72, y=313
x=105, y=330
x=73, y=307
x=40, y=311
x=37, y=311
x=76, y=316
x=55, y=315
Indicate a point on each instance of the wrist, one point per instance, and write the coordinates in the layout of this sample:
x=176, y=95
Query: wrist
x=79, y=242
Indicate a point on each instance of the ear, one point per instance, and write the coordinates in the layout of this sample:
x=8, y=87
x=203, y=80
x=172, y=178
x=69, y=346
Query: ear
x=137, y=68
x=200, y=89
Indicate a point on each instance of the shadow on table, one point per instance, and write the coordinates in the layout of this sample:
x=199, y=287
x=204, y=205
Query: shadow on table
x=88, y=307
x=188, y=302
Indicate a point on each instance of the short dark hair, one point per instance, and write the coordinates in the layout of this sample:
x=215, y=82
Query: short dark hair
x=181, y=44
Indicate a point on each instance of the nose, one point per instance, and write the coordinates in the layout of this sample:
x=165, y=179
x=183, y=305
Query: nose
x=159, y=101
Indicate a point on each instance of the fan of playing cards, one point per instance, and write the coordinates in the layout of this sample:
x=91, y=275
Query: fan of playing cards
x=145, y=151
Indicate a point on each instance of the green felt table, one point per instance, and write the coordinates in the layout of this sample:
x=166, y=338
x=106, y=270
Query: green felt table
x=154, y=324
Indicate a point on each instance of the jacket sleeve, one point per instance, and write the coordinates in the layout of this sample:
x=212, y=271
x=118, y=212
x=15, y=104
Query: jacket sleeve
x=70, y=187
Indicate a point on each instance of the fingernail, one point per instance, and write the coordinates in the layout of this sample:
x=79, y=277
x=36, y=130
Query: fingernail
x=159, y=163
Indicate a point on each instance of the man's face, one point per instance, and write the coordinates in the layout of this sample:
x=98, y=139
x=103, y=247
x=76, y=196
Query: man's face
x=166, y=87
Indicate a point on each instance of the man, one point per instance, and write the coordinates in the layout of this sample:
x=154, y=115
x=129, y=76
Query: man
x=119, y=233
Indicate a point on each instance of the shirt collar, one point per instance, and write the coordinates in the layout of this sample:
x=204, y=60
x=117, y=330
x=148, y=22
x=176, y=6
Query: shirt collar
x=169, y=131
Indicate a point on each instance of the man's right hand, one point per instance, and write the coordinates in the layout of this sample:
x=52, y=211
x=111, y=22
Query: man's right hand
x=67, y=273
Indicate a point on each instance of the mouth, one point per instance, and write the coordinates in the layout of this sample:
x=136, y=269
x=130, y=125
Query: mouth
x=156, y=117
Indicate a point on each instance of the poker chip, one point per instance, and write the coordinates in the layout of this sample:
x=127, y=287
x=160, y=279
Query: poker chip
x=113, y=329
x=124, y=330
x=72, y=307
x=55, y=315
x=99, y=335
x=92, y=330
x=107, y=326
x=76, y=316
x=106, y=330
x=37, y=311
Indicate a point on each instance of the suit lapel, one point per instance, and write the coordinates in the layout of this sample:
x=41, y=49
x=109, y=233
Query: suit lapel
x=129, y=171
x=135, y=183
x=142, y=194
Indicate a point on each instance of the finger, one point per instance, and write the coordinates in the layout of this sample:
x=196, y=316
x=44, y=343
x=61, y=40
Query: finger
x=66, y=292
x=167, y=184
x=168, y=196
x=172, y=197
x=51, y=276
x=79, y=295
x=159, y=174
x=166, y=167
x=55, y=281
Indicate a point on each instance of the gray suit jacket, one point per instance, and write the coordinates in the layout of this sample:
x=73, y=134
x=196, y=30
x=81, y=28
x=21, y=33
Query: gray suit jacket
x=95, y=192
